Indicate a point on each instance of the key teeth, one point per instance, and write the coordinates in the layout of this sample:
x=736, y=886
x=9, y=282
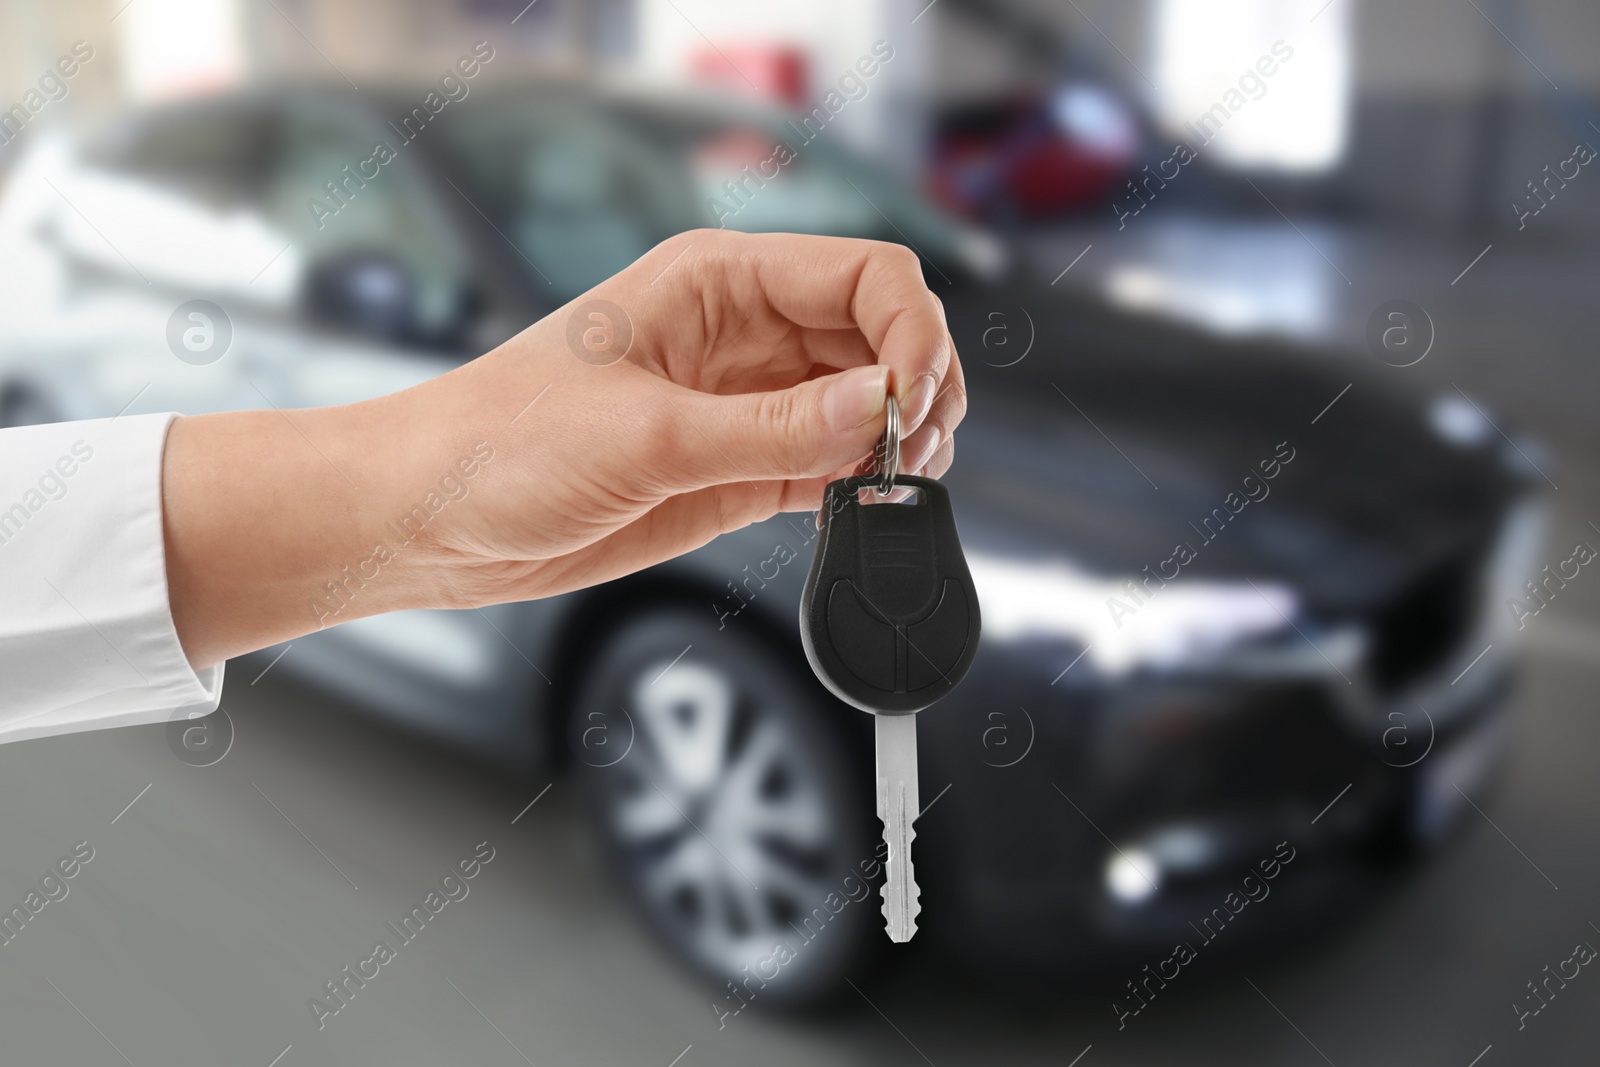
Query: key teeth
x=913, y=909
x=913, y=895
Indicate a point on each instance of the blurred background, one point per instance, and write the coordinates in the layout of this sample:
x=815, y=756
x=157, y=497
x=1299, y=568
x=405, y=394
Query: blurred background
x=1279, y=488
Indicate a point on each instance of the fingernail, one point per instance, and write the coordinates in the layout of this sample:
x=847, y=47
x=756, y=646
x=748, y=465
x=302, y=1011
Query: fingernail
x=854, y=397
x=920, y=447
x=919, y=398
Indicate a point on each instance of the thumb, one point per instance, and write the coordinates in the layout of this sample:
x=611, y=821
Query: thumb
x=805, y=431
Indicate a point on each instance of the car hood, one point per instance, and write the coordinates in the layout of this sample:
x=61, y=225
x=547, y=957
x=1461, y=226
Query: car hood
x=1115, y=440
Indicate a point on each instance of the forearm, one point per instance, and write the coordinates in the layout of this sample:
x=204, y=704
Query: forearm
x=262, y=509
x=280, y=523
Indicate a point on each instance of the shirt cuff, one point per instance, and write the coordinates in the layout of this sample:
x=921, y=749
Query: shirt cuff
x=86, y=633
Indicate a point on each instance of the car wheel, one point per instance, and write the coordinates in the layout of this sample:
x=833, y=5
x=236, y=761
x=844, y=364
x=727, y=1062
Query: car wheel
x=735, y=803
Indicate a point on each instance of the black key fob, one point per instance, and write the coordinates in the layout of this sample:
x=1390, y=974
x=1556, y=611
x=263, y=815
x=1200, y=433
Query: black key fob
x=889, y=616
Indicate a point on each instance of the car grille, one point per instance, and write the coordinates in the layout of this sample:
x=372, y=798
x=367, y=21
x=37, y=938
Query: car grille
x=1417, y=633
x=1456, y=603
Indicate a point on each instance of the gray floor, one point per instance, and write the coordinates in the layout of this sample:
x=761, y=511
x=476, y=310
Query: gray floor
x=221, y=901
x=224, y=897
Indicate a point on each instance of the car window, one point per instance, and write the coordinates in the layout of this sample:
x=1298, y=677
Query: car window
x=749, y=180
x=333, y=195
x=578, y=196
x=759, y=178
x=752, y=171
x=212, y=155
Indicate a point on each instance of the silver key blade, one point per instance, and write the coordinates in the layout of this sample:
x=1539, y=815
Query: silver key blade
x=897, y=808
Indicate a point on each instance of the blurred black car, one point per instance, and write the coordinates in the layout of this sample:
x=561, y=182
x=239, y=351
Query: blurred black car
x=1235, y=595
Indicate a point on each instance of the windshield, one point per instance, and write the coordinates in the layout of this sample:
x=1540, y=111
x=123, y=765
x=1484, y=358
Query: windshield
x=582, y=186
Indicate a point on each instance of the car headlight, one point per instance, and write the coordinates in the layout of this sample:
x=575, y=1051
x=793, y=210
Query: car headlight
x=1128, y=623
x=1459, y=421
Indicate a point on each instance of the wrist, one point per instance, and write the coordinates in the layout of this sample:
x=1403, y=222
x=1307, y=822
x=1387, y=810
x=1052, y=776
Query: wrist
x=430, y=451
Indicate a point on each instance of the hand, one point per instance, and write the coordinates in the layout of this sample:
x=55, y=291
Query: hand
x=756, y=372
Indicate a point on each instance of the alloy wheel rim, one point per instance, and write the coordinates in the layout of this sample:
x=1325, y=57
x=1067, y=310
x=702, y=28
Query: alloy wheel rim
x=722, y=812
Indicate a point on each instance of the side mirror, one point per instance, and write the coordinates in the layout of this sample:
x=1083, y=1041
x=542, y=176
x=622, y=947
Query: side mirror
x=371, y=294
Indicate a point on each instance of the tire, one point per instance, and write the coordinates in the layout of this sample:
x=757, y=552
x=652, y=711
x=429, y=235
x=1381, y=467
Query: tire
x=732, y=794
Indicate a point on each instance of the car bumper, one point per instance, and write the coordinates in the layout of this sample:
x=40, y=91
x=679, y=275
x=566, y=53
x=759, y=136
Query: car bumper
x=1100, y=822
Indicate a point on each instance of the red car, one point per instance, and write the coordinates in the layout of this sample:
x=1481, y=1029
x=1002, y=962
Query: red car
x=1032, y=157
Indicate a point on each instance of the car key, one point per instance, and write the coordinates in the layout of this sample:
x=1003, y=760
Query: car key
x=889, y=619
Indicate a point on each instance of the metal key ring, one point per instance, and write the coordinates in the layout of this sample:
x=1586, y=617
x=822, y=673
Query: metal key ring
x=890, y=448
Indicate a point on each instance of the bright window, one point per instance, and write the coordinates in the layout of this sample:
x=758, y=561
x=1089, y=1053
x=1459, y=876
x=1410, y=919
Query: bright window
x=1254, y=83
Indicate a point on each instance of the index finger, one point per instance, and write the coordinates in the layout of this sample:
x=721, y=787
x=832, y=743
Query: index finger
x=874, y=286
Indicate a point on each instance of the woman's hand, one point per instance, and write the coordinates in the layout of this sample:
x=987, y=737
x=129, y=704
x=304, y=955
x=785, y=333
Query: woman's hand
x=720, y=379
x=755, y=372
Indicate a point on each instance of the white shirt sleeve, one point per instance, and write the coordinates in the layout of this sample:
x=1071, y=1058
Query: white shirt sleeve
x=86, y=633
